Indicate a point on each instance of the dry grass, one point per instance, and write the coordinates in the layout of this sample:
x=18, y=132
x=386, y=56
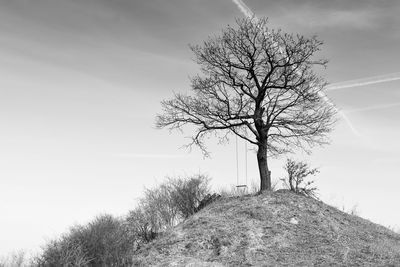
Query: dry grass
x=273, y=229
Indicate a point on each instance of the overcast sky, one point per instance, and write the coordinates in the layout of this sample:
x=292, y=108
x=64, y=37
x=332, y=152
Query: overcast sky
x=81, y=82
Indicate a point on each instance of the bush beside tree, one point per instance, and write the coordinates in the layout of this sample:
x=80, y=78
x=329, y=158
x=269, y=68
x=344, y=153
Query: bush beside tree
x=297, y=172
x=110, y=241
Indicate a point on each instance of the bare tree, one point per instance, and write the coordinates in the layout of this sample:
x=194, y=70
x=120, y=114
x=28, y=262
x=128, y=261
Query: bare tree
x=258, y=84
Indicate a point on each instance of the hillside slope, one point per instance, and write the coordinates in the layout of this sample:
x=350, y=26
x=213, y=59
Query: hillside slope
x=273, y=229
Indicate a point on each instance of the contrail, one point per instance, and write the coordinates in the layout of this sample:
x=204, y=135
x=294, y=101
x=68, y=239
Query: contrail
x=244, y=8
x=375, y=107
x=250, y=14
x=362, y=82
x=341, y=113
x=148, y=156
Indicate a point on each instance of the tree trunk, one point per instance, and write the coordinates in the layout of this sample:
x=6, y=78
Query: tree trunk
x=265, y=174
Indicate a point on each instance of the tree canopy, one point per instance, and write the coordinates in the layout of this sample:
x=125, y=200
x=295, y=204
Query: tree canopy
x=259, y=84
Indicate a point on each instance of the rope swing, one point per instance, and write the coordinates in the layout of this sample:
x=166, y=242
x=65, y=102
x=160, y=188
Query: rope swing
x=238, y=185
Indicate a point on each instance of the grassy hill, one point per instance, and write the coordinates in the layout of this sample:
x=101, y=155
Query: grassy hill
x=272, y=229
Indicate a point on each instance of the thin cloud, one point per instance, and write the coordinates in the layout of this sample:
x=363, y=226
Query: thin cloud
x=375, y=107
x=149, y=156
x=312, y=17
x=345, y=18
x=366, y=81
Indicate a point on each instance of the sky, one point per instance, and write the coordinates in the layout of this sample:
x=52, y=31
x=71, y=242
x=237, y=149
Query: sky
x=81, y=83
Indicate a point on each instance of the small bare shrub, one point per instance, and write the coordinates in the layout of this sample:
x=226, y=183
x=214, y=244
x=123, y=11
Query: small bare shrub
x=175, y=199
x=166, y=205
x=62, y=252
x=354, y=210
x=106, y=240
x=297, y=173
x=15, y=259
x=186, y=194
x=142, y=225
x=159, y=207
x=103, y=242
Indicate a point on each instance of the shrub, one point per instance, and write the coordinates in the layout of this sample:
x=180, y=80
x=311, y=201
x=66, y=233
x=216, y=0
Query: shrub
x=62, y=252
x=159, y=206
x=175, y=199
x=297, y=173
x=141, y=225
x=106, y=241
x=15, y=259
x=186, y=194
x=166, y=205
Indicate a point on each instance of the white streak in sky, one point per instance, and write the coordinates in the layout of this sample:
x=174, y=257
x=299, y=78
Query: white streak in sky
x=362, y=82
x=341, y=113
x=375, y=107
x=148, y=156
x=250, y=14
x=244, y=8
